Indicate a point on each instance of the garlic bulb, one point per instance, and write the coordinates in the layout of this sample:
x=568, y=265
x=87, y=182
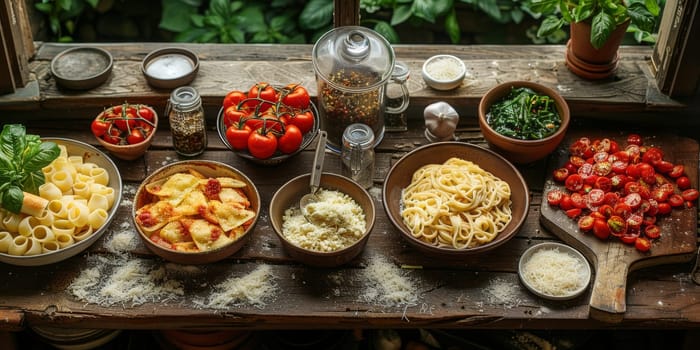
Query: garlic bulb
x=440, y=121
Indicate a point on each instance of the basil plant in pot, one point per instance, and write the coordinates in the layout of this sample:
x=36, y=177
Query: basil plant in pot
x=597, y=28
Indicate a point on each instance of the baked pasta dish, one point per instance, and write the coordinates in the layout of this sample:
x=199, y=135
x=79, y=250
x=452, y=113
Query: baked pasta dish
x=190, y=212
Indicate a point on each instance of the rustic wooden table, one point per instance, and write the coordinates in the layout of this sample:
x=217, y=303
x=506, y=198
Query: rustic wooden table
x=480, y=292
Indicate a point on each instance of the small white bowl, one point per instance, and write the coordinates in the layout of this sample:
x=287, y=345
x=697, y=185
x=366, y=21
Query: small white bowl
x=444, y=72
x=564, y=249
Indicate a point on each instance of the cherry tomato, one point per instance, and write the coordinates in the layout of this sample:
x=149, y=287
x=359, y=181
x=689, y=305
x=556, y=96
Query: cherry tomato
x=573, y=212
x=634, y=139
x=99, y=126
x=642, y=244
x=304, y=121
x=678, y=170
x=683, y=182
x=233, y=98
x=574, y=182
x=112, y=136
x=630, y=236
x=237, y=136
x=560, y=174
x=146, y=113
x=690, y=195
x=596, y=197
x=652, y=232
x=585, y=223
x=261, y=92
x=578, y=200
x=125, y=122
x=664, y=208
x=262, y=143
x=135, y=136
x=664, y=166
x=295, y=95
x=580, y=146
x=290, y=141
x=634, y=221
x=675, y=200
x=603, y=183
x=565, y=203
x=617, y=225
x=554, y=197
x=600, y=229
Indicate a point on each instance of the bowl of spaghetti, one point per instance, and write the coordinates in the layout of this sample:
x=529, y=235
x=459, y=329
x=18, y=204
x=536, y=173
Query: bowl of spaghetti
x=451, y=199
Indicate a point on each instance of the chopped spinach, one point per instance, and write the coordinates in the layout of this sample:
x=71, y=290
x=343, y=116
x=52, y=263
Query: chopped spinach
x=524, y=114
x=22, y=156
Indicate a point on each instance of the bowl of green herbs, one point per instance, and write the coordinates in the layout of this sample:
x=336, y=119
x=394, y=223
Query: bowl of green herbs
x=523, y=121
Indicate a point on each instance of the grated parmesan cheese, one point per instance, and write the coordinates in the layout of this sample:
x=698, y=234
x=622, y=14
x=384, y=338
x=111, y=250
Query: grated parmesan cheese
x=253, y=289
x=554, y=273
x=443, y=68
x=387, y=285
x=338, y=222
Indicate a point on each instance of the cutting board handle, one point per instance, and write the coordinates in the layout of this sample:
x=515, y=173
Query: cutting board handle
x=609, y=288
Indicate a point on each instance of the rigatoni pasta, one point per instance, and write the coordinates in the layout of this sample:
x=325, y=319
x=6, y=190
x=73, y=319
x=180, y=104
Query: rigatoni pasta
x=79, y=199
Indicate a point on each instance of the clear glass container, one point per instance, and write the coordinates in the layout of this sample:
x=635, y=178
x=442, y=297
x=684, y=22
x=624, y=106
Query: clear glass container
x=397, y=99
x=352, y=66
x=357, y=154
x=187, y=121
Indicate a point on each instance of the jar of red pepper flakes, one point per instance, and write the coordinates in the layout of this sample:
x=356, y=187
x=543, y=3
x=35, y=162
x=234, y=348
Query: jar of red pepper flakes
x=187, y=122
x=353, y=66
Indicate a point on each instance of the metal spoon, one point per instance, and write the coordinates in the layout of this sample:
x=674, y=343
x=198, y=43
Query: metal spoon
x=316, y=171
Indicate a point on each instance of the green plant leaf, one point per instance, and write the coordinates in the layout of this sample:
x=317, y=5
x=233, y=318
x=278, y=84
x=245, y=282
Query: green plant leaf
x=517, y=15
x=582, y=12
x=12, y=199
x=220, y=8
x=653, y=7
x=252, y=20
x=641, y=17
x=544, y=6
x=424, y=9
x=43, y=7
x=316, y=14
x=197, y=20
x=601, y=28
x=490, y=7
x=442, y=7
x=93, y=3
x=550, y=25
x=401, y=14
x=387, y=31
x=176, y=16
x=452, y=27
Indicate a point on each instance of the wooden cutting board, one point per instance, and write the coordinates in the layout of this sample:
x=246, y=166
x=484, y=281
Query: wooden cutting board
x=612, y=259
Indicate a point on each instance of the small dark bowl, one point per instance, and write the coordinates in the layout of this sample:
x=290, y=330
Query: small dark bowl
x=288, y=196
x=207, y=168
x=516, y=150
x=401, y=173
x=170, y=67
x=276, y=158
x=82, y=68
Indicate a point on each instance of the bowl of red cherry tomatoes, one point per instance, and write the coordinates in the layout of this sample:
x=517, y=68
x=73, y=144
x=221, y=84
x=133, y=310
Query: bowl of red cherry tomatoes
x=267, y=124
x=125, y=130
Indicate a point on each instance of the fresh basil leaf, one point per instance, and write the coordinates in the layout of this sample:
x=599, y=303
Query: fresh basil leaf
x=452, y=27
x=641, y=17
x=601, y=28
x=13, y=141
x=12, y=199
x=387, y=31
x=33, y=181
x=401, y=14
x=549, y=25
x=46, y=153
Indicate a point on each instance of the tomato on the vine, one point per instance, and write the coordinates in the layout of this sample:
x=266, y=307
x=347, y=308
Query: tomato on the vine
x=304, y=121
x=295, y=95
x=124, y=124
x=237, y=136
x=99, y=127
x=290, y=141
x=233, y=98
x=112, y=136
x=135, y=136
x=146, y=113
x=262, y=143
x=261, y=96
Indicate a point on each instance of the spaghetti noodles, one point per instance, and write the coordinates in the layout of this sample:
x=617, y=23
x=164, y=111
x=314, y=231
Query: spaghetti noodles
x=456, y=204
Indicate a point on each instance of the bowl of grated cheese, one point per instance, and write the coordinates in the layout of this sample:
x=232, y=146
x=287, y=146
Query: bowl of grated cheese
x=444, y=72
x=554, y=271
x=341, y=220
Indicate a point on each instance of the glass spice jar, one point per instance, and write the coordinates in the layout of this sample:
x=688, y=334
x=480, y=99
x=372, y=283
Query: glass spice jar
x=397, y=98
x=187, y=122
x=357, y=154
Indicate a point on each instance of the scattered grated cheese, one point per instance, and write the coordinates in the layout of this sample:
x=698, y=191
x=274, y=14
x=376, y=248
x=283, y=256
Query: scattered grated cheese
x=254, y=289
x=387, y=285
x=122, y=242
x=113, y=281
x=502, y=292
x=554, y=273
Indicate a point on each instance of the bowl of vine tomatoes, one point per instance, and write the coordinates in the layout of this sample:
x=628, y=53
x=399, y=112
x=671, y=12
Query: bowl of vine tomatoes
x=126, y=130
x=267, y=124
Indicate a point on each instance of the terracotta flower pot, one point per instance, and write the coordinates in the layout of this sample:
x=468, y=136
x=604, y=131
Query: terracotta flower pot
x=585, y=60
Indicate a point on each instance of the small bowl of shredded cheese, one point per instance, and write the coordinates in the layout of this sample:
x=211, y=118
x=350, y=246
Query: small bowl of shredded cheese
x=444, y=72
x=554, y=271
x=339, y=224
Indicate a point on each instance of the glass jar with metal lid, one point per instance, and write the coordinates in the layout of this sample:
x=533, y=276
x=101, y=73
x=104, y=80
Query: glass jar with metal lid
x=187, y=122
x=357, y=154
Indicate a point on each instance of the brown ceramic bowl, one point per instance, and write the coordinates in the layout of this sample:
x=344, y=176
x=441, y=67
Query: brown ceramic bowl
x=170, y=67
x=516, y=150
x=210, y=169
x=130, y=152
x=288, y=196
x=401, y=173
x=82, y=68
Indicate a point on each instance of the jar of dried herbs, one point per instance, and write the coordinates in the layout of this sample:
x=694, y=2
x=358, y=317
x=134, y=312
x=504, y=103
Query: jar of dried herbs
x=352, y=65
x=187, y=121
